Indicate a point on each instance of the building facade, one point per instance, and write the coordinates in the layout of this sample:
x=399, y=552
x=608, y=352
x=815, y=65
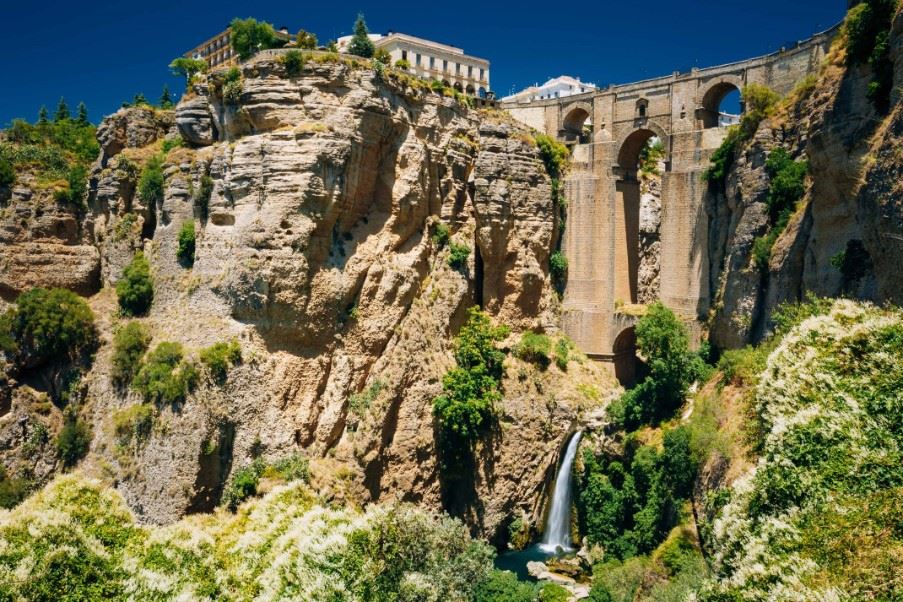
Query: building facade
x=432, y=60
x=217, y=51
x=559, y=87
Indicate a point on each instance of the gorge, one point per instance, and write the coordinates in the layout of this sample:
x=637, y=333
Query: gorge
x=324, y=330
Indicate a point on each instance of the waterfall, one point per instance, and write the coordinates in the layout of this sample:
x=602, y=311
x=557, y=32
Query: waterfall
x=558, y=524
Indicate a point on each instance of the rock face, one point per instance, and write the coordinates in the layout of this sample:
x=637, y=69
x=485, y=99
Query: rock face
x=851, y=206
x=649, y=277
x=315, y=200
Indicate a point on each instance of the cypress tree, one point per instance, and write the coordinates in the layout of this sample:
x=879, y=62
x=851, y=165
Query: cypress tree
x=361, y=45
x=42, y=116
x=82, y=114
x=62, y=111
x=166, y=98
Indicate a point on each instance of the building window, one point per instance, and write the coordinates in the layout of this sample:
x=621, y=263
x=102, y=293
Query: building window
x=404, y=55
x=418, y=60
x=457, y=68
x=469, y=71
x=482, y=75
x=432, y=62
x=445, y=66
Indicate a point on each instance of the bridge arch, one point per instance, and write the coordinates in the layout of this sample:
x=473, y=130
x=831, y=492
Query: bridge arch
x=631, y=143
x=574, y=118
x=712, y=93
x=624, y=357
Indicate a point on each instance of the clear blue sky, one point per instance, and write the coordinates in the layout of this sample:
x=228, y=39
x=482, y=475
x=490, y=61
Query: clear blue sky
x=103, y=53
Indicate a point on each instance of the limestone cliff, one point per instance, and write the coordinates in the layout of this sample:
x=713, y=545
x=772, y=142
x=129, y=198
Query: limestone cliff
x=850, y=210
x=316, y=197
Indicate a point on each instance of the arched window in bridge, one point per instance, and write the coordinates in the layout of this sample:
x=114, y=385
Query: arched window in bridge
x=721, y=106
x=642, y=108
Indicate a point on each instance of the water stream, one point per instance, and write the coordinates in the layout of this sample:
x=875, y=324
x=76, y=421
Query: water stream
x=558, y=523
x=557, y=537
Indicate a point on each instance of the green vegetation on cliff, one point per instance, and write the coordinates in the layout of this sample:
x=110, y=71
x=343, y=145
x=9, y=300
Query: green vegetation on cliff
x=135, y=289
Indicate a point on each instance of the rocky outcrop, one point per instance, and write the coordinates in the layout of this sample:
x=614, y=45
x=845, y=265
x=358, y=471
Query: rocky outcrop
x=848, y=210
x=316, y=199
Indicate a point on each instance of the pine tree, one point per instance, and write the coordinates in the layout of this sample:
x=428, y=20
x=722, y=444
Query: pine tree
x=361, y=44
x=42, y=116
x=139, y=100
x=165, y=98
x=82, y=114
x=62, y=111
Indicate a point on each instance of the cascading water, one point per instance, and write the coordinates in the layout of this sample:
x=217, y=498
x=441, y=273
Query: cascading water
x=558, y=524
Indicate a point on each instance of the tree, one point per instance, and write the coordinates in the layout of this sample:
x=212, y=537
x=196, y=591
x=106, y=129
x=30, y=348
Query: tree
x=73, y=441
x=188, y=68
x=249, y=36
x=382, y=56
x=185, y=251
x=43, y=116
x=82, y=114
x=306, y=40
x=165, y=98
x=139, y=100
x=62, y=111
x=129, y=344
x=332, y=46
x=361, y=44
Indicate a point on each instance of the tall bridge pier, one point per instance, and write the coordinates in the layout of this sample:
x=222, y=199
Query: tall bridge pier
x=606, y=130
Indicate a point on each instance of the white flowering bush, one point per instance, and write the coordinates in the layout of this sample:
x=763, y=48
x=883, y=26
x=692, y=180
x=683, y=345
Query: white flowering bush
x=76, y=540
x=819, y=517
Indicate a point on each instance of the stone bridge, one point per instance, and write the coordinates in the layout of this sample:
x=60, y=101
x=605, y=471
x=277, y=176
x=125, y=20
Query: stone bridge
x=606, y=130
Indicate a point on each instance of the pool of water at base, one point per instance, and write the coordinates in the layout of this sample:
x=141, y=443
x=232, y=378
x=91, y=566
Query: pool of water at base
x=516, y=562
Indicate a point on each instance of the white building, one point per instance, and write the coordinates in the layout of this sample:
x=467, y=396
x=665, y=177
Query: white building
x=558, y=87
x=432, y=60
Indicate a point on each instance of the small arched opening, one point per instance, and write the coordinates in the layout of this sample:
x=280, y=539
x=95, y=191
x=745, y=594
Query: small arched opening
x=722, y=106
x=459, y=87
x=624, y=357
x=470, y=90
x=482, y=92
x=642, y=108
x=446, y=83
x=577, y=126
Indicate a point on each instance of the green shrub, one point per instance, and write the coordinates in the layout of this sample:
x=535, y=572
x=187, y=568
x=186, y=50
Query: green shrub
x=129, y=344
x=293, y=61
x=759, y=103
x=232, y=92
x=135, y=289
x=503, y=586
x=188, y=68
x=76, y=187
x=552, y=592
x=562, y=353
x=458, y=255
x=171, y=143
x=73, y=441
x=359, y=403
x=165, y=376
x=441, y=234
x=218, y=357
x=12, y=489
x=723, y=157
x=558, y=266
x=555, y=156
x=47, y=325
x=243, y=485
x=185, y=250
x=402, y=64
x=787, y=187
x=7, y=174
x=150, y=183
x=294, y=467
x=134, y=423
x=599, y=593
x=742, y=366
x=534, y=347
x=202, y=197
